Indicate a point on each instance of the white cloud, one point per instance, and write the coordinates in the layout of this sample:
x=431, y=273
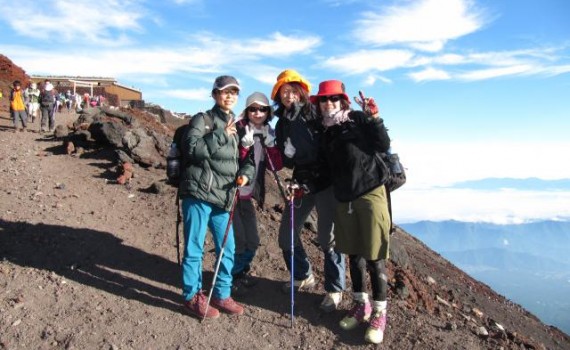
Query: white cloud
x=366, y=61
x=201, y=94
x=500, y=207
x=431, y=164
x=81, y=21
x=274, y=45
x=206, y=55
x=483, y=74
x=430, y=74
x=371, y=79
x=425, y=24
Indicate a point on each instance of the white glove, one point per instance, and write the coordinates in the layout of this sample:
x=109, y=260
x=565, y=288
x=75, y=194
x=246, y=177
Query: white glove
x=247, y=139
x=269, y=137
x=289, y=149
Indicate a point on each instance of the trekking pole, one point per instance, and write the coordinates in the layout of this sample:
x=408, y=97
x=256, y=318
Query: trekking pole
x=292, y=188
x=279, y=184
x=178, y=220
x=216, y=270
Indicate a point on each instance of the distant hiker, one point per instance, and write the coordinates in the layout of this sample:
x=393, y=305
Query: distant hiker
x=258, y=136
x=47, y=102
x=69, y=98
x=353, y=141
x=298, y=133
x=207, y=189
x=33, y=105
x=18, y=106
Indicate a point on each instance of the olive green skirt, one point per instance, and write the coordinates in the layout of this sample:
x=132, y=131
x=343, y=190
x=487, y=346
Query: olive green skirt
x=362, y=227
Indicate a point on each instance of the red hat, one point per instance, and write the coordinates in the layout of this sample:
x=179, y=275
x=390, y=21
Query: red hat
x=329, y=88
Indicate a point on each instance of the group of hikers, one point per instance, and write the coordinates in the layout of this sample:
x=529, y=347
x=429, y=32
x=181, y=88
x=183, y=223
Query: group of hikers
x=33, y=102
x=333, y=151
x=25, y=105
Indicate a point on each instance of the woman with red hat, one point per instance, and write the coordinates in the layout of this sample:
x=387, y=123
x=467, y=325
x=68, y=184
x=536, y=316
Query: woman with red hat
x=298, y=133
x=352, y=143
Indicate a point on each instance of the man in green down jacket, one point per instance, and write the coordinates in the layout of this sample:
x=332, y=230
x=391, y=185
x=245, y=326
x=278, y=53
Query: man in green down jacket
x=207, y=188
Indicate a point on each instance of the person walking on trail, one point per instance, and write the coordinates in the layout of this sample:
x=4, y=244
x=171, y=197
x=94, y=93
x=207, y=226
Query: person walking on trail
x=47, y=102
x=33, y=105
x=256, y=136
x=298, y=133
x=211, y=169
x=353, y=141
x=18, y=107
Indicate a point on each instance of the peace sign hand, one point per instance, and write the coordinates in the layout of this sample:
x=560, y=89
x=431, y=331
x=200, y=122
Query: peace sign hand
x=367, y=104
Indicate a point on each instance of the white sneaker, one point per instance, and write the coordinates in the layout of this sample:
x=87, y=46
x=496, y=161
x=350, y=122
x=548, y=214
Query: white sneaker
x=305, y=284
x=331, y=301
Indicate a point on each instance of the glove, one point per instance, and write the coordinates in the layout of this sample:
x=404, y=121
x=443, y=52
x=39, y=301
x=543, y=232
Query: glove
x=242, y=180
x=359, y=117
x=269, y=137
x=289, y=149
x=247, y=140
x=367, y=104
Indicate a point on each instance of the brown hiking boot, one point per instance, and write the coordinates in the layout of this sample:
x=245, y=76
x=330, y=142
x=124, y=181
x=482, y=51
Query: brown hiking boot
x=228, y=305
x=197, y=307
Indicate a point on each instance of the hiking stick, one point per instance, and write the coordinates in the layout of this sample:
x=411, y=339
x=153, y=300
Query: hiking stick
x=279, y=184
x=217, y=269
x=292, y=188
x=178, y=220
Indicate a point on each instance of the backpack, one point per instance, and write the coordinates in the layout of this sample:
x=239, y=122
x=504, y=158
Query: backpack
x=174, y=161
x=395, y=177
x=396, y=174
x=47, y=99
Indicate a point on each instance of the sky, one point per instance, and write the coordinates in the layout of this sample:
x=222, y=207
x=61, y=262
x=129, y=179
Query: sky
x=469, y=89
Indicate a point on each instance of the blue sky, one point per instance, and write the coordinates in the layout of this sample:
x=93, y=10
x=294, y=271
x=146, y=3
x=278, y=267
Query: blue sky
x=478, y=88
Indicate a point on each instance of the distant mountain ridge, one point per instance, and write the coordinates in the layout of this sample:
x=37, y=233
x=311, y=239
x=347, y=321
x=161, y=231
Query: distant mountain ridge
x=532, y=184
x=528, y=263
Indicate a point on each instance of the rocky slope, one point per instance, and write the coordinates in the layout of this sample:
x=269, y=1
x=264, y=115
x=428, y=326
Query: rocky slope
x=88, y=263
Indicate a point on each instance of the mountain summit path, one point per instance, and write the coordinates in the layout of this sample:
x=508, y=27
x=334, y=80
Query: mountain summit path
x=86, y=263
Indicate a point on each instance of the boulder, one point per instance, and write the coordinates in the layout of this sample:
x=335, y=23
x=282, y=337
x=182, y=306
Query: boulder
x=108, y=132
x=143, y=149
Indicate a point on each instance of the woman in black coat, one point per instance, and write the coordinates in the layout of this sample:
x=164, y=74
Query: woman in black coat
x=353, y=142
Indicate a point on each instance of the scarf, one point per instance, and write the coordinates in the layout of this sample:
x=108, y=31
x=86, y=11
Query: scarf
x=335, y=117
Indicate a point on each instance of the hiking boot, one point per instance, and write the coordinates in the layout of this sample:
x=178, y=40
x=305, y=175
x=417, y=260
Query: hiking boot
x=197, y=307
x=375, y=332
x=359, y=313
x=331, y=301
x=300, y=285
x=228, y=305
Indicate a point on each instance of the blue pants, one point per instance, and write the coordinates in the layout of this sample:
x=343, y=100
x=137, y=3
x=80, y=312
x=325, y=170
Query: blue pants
x=198, y=217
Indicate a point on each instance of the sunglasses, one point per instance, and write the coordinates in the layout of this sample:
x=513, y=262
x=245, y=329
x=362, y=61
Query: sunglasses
x=333, y=98
x=263, y=109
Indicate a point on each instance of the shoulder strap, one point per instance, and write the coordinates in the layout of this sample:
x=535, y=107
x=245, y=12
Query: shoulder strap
x=209, y=120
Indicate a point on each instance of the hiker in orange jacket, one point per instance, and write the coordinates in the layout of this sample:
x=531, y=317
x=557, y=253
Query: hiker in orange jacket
x=18, y=106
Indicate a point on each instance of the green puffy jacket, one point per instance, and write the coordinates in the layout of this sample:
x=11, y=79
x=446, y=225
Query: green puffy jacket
x=211, y=162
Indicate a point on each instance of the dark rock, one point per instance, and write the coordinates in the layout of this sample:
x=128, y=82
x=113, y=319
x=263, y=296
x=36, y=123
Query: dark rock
x=61, y=131
x=108, y=133
x=157, y=188
x=398, y=254
x=143, y=149
x=123, y=156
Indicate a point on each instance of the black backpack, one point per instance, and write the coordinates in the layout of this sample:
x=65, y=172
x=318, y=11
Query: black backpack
x=47, y=99
x=395, y=178
x=174, y=161
x=396, y=174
